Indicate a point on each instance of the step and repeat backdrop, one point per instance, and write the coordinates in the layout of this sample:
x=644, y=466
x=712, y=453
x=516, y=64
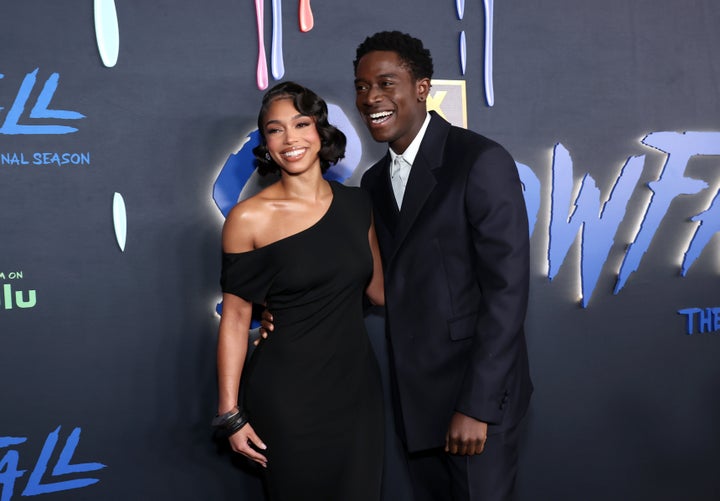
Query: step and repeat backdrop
x=125, y=130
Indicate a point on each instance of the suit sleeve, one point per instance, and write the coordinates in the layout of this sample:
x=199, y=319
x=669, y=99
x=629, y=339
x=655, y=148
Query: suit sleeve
x=496, y=213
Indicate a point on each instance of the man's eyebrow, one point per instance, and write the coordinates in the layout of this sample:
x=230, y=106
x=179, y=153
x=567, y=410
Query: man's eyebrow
x=384, y=75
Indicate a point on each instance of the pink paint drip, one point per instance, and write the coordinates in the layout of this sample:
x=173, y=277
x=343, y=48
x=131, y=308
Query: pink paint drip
x=262, y=71
x=305, y=16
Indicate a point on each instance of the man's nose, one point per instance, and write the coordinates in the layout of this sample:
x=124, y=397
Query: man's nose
x=373, y=95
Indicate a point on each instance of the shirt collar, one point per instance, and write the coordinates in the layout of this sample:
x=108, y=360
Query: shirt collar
x=412, y=150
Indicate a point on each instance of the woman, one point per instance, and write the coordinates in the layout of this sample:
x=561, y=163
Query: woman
x=312, y=405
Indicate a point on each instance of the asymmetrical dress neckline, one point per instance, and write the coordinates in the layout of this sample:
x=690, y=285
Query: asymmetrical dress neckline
x=325, y=215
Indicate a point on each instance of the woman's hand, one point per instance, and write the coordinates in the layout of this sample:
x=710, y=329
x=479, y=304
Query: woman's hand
x=241, y=442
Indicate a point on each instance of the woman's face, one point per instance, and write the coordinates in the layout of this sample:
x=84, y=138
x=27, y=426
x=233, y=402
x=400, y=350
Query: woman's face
x=292, y=139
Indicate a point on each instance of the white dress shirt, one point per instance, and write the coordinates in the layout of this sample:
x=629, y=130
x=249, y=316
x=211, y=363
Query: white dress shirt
x=401, y=165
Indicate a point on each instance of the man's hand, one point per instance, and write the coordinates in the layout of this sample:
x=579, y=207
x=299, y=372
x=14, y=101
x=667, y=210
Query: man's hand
x=266, y=326
x=465, y=436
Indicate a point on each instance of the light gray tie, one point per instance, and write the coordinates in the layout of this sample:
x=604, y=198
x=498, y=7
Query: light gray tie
x=399, y=171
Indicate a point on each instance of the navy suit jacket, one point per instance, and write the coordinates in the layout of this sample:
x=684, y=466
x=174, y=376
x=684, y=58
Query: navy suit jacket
x=456, y=267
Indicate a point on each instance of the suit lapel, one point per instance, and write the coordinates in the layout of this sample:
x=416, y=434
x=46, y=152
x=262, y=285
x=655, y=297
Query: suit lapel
x=422, y=179
x=383, y=197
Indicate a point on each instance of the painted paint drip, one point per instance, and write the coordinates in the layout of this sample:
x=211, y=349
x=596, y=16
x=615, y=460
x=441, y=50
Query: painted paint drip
x=120, y=220
x=107, y=32
x=262, y=71
x=277, y=64
x=460, y=8
x=488, y=63
x=305, y=16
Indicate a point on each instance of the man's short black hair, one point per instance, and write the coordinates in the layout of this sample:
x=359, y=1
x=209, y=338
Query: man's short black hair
x=409, y=49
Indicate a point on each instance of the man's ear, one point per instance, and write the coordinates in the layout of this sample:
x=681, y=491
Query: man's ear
x=422, y=87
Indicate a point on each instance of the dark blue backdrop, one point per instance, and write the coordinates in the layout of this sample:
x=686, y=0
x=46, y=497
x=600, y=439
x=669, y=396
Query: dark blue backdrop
x=107, y=355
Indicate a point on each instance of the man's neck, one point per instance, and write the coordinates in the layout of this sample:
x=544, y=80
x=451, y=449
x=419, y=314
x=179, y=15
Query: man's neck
x=411, y=150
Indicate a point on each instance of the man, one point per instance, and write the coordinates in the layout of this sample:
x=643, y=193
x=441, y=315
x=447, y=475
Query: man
x=452, y=227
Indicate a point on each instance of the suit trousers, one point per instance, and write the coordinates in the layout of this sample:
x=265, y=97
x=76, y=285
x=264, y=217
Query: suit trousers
x=490, y=476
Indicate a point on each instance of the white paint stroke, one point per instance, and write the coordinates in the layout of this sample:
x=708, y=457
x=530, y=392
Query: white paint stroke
x=463, y=52
x=276, y=51
x=120, y=220
x=488, y=63
x=460, y=8
x=107, y=31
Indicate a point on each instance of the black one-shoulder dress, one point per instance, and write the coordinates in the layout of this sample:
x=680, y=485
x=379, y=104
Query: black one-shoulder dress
x=312, y=389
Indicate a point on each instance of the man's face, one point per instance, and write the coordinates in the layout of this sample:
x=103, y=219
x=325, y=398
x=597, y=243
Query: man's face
x=390, y=101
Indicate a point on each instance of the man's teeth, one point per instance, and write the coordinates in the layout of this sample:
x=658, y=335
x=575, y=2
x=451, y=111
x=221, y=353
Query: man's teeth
x=380, y=116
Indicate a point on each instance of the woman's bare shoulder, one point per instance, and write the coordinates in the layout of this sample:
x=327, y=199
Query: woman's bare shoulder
x=247, y=220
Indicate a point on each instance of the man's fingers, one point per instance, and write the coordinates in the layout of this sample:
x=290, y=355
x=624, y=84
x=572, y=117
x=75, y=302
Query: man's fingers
x=453, y=445
x=466, y=436
x=473, y=447
x=464, y=447
x=476, y=446
x=263, y=335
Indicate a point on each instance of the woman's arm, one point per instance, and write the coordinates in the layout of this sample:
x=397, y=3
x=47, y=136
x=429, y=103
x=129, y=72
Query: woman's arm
x=232, y=344
x=231, y=352
x=232, y=349
x=376, y=288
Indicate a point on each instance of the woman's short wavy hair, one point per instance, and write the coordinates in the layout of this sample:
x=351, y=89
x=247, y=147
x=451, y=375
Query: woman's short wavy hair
x=332, y=140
